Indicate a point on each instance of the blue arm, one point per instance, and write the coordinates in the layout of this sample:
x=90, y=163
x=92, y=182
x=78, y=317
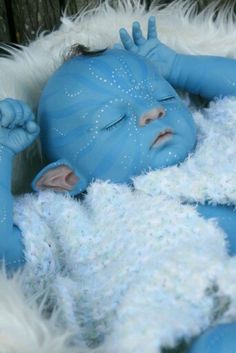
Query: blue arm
x=207, y=76
x=17, y=131
x=11, y=247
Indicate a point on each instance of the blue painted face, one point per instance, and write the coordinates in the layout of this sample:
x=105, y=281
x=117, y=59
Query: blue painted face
x=112, y=116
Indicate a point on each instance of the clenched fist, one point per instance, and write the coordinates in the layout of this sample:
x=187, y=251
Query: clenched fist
x=17, y=126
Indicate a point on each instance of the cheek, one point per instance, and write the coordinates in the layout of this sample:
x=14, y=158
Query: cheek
x=111, y=153
x=181, y=121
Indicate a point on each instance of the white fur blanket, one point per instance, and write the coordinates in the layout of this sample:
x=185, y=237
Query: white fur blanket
x=135, y=270
x=23, y=76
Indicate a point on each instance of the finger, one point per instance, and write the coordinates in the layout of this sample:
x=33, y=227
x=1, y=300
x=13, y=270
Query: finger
x=23, y=113
x=126, y=40
x=137, y=34
x=27, y=113
x=18, y=110
x=32, y=127
x=7, y=113
x=152, y=30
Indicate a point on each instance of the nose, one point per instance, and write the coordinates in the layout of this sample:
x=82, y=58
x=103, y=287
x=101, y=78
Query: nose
x=154, y=114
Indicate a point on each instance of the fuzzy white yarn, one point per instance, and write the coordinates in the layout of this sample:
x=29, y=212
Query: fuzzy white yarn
x=137, y=269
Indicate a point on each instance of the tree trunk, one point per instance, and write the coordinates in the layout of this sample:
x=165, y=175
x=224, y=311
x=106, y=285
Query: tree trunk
x=30, y=16
x=75, y=6
x=4, y=27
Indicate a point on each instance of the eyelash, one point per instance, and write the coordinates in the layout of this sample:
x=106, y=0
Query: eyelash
x=114, y=124
x=166, y=99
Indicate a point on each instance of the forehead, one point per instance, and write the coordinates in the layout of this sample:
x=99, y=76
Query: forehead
x=115, y=61
x=110, y=72
x=84, y=85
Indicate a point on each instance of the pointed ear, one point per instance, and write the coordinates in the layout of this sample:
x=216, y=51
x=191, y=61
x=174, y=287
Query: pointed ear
x=60, y=177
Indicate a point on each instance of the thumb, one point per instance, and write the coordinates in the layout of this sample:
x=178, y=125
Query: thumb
x=32, y=127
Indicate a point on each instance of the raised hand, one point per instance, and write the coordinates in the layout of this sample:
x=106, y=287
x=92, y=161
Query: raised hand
x=17, y=127
x=152, y=48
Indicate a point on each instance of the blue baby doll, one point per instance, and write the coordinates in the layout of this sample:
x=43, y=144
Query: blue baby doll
x=114, y=115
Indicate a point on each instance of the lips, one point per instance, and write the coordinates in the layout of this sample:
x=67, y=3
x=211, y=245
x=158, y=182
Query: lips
x=163, y=136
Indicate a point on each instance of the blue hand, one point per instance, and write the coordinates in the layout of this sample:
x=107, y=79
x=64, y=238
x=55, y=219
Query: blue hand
x=17, y=128
x=152, y=48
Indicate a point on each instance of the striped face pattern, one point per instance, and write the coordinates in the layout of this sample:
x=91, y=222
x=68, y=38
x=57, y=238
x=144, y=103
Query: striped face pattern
x=112, y=116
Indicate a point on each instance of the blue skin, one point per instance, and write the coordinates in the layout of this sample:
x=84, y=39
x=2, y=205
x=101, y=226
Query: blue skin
x=110, y=118
x=118, y=123
x=17, y=131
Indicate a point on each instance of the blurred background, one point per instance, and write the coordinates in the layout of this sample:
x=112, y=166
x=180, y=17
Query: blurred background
x=21, y=19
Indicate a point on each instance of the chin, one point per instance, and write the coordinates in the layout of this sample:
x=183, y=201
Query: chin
x=171, y=157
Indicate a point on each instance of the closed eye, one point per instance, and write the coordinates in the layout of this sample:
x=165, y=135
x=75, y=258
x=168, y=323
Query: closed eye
x=114, y=123
x=165, y=99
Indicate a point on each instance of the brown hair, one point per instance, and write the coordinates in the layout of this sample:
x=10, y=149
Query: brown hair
x=80, y=49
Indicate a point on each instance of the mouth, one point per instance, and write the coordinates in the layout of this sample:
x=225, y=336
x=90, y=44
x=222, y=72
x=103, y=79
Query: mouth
x=162, y=137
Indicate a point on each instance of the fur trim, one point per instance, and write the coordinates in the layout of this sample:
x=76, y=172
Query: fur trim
x=23, y=326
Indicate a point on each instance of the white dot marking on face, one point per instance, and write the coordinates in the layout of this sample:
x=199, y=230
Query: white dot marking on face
x=59, y=132
x=72, y=94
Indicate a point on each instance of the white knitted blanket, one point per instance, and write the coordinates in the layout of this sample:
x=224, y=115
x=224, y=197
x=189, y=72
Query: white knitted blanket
x=136, y=270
